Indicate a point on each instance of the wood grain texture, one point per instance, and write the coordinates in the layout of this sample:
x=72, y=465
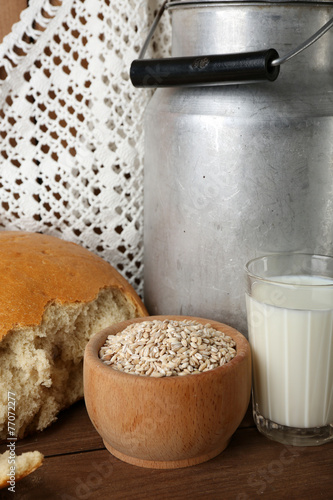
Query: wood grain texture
x=77, y=466
x=78, y=434
x=10, y=13
x=252, y=467
x=167, y=422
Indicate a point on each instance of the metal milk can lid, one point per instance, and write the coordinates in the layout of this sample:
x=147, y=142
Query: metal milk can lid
x=220, y=69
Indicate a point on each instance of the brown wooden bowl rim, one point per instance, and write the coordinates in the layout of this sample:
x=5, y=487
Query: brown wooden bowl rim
x=91, y=353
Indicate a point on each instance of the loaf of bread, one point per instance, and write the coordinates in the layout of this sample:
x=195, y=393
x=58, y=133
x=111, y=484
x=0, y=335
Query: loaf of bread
x=23, y=465
x=54, y=295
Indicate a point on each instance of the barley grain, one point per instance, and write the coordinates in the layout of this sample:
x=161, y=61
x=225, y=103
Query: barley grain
x=167, y=348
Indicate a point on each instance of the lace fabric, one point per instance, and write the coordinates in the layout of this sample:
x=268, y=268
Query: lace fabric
x=71, y=135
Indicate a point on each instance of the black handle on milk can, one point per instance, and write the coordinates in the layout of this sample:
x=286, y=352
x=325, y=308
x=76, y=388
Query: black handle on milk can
x=211, y=69
x=205, y=70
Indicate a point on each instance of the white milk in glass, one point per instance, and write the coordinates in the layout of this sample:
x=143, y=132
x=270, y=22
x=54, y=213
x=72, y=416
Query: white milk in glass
x=291, y=337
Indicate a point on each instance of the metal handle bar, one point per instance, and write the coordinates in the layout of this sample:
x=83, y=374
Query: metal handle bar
x=212, y=69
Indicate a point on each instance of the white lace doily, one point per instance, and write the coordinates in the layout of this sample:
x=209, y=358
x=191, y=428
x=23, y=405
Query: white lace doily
x=71, y=155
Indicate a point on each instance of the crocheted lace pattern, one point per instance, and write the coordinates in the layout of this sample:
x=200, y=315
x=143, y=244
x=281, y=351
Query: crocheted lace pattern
x=71, y=138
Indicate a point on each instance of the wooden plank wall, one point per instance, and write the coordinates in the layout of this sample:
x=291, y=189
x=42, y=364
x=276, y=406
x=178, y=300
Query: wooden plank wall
x=9, y=14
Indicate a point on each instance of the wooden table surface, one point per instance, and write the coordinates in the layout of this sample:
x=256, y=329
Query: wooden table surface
x=77, y=466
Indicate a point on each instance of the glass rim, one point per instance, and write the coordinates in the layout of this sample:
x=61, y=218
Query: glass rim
x=283, y=283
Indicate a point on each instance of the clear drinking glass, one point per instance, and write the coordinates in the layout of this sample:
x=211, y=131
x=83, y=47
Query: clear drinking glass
x=289, y=300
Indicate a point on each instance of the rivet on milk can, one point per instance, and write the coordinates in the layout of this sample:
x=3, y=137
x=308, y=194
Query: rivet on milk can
x=238, y=149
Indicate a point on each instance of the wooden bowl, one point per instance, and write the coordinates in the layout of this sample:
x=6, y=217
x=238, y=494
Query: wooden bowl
x=167, y=422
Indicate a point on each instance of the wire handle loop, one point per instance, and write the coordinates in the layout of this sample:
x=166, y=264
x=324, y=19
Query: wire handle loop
x=212, y=69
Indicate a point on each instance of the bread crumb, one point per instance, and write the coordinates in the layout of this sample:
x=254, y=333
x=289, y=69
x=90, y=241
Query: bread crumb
x=42, y=364
x=19, y=465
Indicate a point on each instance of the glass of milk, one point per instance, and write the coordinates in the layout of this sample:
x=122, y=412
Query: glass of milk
x=289, y=300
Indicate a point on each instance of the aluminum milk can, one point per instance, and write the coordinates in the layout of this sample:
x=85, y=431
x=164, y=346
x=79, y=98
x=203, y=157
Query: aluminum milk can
x=238, y=170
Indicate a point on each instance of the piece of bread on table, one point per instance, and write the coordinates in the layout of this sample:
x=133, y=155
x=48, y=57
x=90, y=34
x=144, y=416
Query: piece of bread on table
x=23, y=465
x=54, y=295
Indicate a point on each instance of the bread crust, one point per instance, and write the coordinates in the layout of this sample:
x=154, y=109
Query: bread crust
x=37, y=269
